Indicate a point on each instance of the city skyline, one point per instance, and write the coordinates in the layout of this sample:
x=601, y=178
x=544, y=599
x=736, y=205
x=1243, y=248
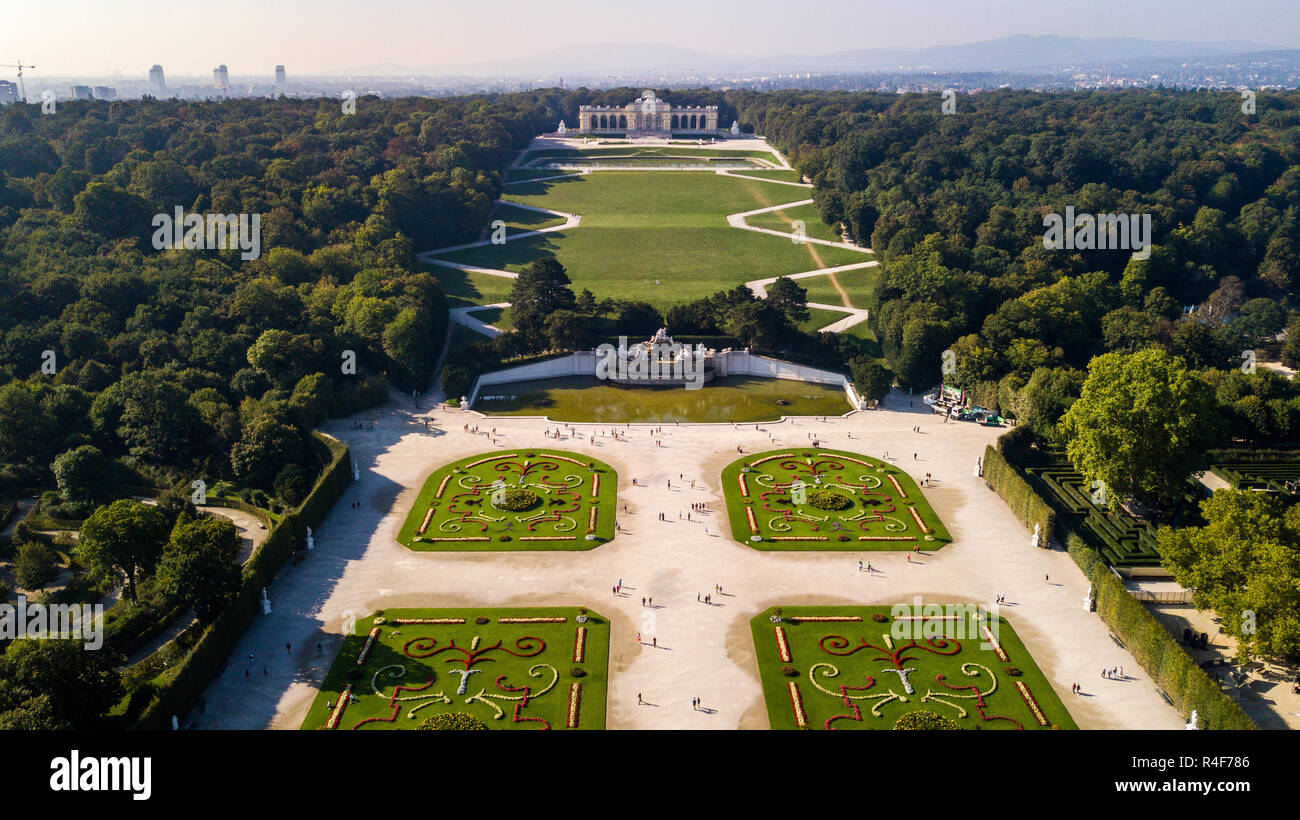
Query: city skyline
x=65, y=38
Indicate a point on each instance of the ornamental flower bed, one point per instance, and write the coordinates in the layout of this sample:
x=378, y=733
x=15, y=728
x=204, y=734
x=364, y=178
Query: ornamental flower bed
x=424, y=524
x=796, y=701
x=575, y=703
x=336, y=714
x=554, y=620
x=845, y=667
x=1031, y=703
x=369, y=644
x=826, y=500
x=579, y=644
x=488, y=501
x=414, y=621
x=517, y=668
x=782, y=647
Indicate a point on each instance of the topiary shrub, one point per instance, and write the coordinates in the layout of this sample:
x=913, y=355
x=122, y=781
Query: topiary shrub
x=925, y=721
x=454, y=722
x=789, y=671
x=829, y=500
x=578, y=672
x=515, y=499
x=481, y=620
x=1014, y=671
x=879, y=617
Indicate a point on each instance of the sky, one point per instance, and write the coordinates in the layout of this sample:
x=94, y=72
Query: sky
x=187, y=37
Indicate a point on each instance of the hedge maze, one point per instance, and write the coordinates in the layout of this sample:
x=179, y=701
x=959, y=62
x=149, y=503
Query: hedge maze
x=1122, y=539
x=1277, y=476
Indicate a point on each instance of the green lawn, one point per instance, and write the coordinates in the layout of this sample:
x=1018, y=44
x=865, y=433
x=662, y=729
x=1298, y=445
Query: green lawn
x=568, y=504
x=505, y=675
x=464, y=288
x=521, y=219
x=877, y=497
x=855, y=282
x=818, y=319
x=783, y=175
x=867, y=672
x=657, y=237
x=500, y=318
x=781, y=221
x=735, y=398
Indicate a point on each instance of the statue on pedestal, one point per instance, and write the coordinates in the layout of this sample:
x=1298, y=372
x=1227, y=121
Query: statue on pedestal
x=1034, y=542
x=266, y=603
x=311, y=542
x=1193, y=721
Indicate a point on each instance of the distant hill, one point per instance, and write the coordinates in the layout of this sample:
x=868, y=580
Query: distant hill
x=1017, y=52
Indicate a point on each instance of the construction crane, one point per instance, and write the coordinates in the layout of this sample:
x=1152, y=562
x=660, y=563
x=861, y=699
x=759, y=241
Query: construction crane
x=22, y=89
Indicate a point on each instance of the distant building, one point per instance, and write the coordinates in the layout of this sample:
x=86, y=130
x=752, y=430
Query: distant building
x=157, y=86
x=280, y=82
x=648, y=116
x=221, y=78
x=8, y=92
x=103, y=92
x=81, y=92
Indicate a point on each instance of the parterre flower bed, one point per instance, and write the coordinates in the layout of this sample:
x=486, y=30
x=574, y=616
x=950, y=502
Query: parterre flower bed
x=534, y=500
x=847, y=667
x=512, y=668
x=826, y=500
x=369, y=644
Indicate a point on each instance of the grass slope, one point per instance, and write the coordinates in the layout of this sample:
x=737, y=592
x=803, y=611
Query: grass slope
x=641, y=228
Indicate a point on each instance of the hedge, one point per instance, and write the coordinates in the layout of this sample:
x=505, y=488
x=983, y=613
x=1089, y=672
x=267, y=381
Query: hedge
x=177, y=690
x=1154, y=648
x=1027, y=505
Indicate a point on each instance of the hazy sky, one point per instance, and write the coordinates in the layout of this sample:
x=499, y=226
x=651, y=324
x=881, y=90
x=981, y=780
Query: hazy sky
x=65, y=37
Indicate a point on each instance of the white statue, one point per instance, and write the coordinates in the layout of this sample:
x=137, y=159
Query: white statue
x=311, y=542
x=563, y=129
x=176, y=723
x=979, y=468
x=266, y=603
x=356, y=473
x=1088, y=603
x=1193, y=720
x=1033, y=542
x=735, y=128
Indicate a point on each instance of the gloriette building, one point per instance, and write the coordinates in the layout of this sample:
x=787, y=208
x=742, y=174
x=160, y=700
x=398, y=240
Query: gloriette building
x=648, y=116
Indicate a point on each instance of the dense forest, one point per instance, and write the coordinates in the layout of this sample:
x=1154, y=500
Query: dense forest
x=954, y=207
x=175, y=360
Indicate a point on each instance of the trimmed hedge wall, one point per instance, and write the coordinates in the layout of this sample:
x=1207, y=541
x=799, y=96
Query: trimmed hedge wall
x=1027, y=505
x=1172, y=669
x=1154, y=648
x=177, y=690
